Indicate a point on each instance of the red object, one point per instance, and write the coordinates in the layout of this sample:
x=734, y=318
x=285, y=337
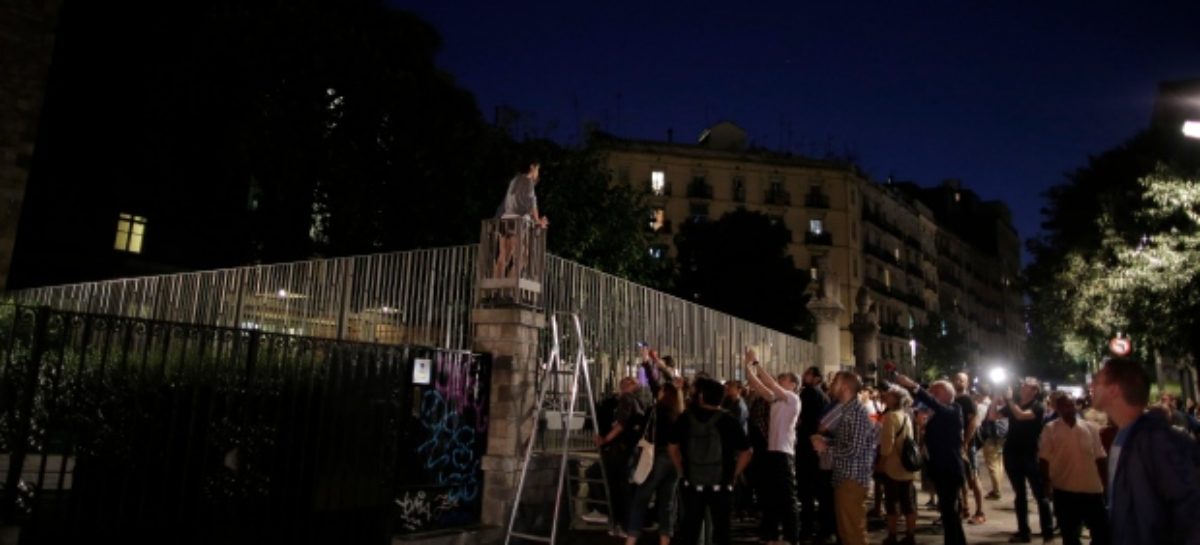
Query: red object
x=889, y=366
x=1120, y=346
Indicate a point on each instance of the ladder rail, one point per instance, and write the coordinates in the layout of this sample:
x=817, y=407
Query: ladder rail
x=550, y=395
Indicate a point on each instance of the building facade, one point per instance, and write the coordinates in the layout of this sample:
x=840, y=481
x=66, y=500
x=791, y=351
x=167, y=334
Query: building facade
x=920, y=253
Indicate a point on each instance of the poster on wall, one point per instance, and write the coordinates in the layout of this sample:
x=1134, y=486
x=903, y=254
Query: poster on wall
x=421, y=371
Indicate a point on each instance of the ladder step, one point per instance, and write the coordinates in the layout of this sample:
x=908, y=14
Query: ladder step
x=530, y=537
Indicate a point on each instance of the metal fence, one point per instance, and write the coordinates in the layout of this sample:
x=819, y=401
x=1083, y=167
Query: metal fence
x=140, y=431
x=618, y=314
x=425, y=297
x=417, y=297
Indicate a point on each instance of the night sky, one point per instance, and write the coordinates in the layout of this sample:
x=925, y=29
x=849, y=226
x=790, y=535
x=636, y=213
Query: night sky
x=1006, y=96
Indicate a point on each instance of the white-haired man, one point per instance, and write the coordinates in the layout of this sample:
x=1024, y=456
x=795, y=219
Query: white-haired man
x=944, y=442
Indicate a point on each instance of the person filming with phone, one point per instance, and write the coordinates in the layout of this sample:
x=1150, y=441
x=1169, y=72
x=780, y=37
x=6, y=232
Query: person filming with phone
x=944, y=442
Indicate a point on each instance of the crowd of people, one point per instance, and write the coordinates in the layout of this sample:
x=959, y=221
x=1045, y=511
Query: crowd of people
x=811, y=459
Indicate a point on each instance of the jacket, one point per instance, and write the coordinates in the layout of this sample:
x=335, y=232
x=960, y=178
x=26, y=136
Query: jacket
x=943, y=438
x=896, y=427
x=1155, y=495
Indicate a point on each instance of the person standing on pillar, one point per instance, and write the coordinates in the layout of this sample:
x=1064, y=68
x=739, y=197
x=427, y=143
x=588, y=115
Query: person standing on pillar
x=943, y=443
x=812, y=405
x=779, y=471
x=970, y=413
x=1026, y=418
x=519, y=202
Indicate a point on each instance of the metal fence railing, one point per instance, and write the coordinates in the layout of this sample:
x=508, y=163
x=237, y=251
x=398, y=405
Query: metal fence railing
x=141, y=431
x=425, y=297
x=618, y=314
x=419, y=297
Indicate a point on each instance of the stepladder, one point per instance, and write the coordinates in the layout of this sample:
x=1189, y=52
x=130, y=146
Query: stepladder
x=563, y=482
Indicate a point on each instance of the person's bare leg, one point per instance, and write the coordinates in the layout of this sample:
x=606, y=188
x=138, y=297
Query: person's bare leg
x=910, y=524
x=506, y=248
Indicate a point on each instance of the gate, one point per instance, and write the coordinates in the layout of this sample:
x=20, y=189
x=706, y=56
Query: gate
x=117, y=428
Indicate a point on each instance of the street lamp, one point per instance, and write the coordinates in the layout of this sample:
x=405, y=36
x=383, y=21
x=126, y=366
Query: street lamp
x=998, y=375
x=1191, y=129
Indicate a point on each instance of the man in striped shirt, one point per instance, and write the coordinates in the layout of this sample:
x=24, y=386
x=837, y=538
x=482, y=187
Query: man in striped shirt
x=852, y=445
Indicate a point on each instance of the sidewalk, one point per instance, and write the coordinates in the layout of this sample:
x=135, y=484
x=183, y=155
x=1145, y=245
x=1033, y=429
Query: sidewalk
x=1001, y=524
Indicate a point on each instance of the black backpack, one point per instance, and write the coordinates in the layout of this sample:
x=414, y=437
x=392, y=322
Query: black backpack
x=910, y=456
x=705, y=464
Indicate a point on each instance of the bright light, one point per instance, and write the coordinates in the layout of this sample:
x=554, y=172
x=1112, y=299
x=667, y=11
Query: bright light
x=1191, y=129
x=282, y=294
x=998, y=375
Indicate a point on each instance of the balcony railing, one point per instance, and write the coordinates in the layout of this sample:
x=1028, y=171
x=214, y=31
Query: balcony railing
x=816, y=200
x=664, y=191
x=778, y=197
x=824, y=238
x=699, y=190
x=880, y=253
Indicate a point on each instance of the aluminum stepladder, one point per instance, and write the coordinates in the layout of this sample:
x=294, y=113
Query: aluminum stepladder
x=558, y=412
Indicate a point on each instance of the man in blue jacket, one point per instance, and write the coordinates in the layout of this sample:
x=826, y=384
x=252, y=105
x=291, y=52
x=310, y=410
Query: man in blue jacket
x=1153, y=485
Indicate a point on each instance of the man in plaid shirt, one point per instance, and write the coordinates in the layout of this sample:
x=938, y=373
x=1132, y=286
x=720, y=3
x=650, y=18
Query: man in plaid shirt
x=853, y=448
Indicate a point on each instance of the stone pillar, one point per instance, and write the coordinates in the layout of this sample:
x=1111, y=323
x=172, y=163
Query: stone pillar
x=865, y=329
x=826, y=308
x=510, y=336
x=26, y=46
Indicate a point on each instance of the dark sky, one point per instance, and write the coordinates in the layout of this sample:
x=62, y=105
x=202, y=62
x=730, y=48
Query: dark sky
x=1005, y=95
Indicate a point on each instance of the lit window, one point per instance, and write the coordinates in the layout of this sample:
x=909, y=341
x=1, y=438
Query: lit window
x=658, y=182
x=813, y=273
x=957, y=196
x=658, y=218
x=887, y=278
x=131, y=230
x=896, y=252
x=816, y=227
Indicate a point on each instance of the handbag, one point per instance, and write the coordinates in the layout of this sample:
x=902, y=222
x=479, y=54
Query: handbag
x=645, y=459
x=910, y=456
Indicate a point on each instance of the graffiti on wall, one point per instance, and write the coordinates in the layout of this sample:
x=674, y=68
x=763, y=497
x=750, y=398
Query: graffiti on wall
x=453, y=422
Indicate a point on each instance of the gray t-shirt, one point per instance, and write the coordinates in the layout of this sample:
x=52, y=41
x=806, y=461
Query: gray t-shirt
x=519, y=200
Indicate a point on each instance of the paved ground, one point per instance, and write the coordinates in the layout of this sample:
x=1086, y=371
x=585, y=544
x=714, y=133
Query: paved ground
x=1000, y=526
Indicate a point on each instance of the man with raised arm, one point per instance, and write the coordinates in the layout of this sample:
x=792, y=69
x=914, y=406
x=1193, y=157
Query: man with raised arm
x=944, y=442
x=779, y=468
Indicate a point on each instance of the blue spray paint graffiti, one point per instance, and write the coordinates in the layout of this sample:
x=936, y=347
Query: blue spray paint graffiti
x=453, y=420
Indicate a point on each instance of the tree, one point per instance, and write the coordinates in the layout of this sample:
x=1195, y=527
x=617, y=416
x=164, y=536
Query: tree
x=942, y=348
x=593, y=221
x=739, y=264
x=1092, y=222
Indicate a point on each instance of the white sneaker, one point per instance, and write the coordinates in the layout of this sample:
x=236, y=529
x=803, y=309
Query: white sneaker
x=595, y=517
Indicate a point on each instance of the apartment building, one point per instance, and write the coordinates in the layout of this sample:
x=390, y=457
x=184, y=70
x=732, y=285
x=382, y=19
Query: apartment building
x=919, y=252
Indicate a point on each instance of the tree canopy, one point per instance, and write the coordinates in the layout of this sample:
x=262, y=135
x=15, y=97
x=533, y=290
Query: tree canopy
x=739, y=264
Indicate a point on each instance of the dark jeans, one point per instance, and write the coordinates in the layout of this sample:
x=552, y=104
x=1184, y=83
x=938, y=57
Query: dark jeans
x=1022, y=467
x=616, y=468
x=695, y=504
x=1074, y=509
x=660, y=484
x=807, y=475
x=948, y=487
x=826, y=514
x=779, y=508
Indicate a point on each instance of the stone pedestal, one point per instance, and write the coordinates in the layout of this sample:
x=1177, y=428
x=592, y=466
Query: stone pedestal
x=865, y=329
x=826, y=310
x=510, y=336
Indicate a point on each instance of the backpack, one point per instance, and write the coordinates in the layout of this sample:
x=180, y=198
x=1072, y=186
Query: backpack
x=993, y=429
x=910, y=456
x=705, y=465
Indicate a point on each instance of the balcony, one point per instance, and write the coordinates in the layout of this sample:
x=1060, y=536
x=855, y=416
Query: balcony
x=878, y=286
x=816, y=200
x=663, y=228
x=914, y=270
x=663, y=191
x=824, y=238
x=876, y=218
x=881, y=254
x=778, y=197
x=699, y=189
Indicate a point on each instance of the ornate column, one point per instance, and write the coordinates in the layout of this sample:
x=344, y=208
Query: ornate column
x=865, y=329
x=826, y=308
